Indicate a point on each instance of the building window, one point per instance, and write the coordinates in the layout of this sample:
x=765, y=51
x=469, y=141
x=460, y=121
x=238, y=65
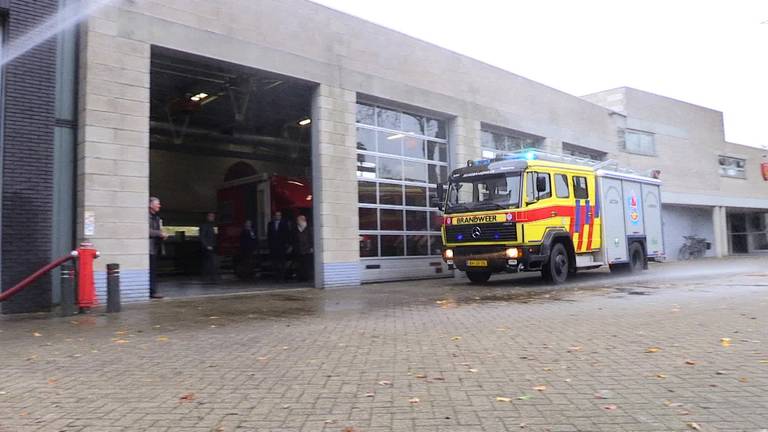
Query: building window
x=496, y=143
x=583, y=152
x=732, y=167
x=637, y=142
x=401, y=158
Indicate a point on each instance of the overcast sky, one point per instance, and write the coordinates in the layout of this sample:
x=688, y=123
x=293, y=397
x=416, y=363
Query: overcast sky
x=710, y=53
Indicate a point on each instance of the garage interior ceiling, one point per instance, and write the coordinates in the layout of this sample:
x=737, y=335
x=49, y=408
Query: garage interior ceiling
x=214, y=108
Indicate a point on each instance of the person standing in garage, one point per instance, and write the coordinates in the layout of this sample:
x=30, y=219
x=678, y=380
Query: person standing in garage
x=208, y=244
x=156, y=237
x=302, y=248
x=278, y=236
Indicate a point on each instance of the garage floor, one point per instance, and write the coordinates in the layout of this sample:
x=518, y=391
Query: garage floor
x=180, y=287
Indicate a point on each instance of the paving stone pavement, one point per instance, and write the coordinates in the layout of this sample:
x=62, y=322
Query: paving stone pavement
x=602, y=354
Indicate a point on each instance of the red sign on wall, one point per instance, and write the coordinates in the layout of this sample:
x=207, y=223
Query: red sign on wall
x=764, y=169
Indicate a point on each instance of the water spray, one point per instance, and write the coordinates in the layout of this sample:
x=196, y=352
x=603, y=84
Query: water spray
x=67, y=17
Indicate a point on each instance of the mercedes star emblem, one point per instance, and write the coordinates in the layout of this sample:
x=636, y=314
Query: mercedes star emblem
x=476, y=232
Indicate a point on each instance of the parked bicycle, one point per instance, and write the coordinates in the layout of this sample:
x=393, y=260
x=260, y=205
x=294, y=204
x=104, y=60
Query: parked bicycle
x=693, y=248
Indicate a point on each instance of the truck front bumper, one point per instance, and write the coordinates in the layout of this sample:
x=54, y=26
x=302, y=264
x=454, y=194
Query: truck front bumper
x=494, y=259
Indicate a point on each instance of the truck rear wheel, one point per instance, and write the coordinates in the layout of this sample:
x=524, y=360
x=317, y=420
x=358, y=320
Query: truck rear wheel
x=478, y=277
x=557, y=268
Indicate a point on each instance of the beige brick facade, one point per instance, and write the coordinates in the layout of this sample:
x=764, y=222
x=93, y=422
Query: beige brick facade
x=348, y=59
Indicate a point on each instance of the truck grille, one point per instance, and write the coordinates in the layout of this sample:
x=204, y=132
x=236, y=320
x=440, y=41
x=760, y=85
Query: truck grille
x=493, y=232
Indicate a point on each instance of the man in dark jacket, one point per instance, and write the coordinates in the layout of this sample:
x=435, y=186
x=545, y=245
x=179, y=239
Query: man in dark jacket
x=156, y=237
x=279, y=236
x=208, y=244
x=302, y=248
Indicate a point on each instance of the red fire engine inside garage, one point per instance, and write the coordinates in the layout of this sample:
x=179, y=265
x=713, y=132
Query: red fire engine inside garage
x=236, y=141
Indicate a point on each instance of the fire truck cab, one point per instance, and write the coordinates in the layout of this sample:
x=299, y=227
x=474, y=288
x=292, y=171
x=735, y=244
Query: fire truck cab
x=534, y=211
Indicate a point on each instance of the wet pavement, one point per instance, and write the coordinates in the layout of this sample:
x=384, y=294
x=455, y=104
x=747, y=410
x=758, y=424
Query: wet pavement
x=681, y=347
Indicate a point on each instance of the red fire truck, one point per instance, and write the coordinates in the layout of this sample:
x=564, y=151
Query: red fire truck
x=256, y=198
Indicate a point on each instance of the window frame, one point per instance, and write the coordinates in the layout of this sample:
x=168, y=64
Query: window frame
x=722, y=169
x=435, y=169
x=639, y=133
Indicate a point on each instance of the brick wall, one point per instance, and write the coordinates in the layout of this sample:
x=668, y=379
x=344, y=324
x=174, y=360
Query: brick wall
x=27, y=192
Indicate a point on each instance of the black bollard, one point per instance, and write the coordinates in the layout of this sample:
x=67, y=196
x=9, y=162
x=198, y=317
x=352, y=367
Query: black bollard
x=113, y=288
x=67, y=289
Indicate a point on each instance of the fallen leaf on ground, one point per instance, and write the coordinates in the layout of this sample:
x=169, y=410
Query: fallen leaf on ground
x=610, y=407
x=441, y=301
x=187, y=397
x=121, y=332
x=660, y=376
x=690, y=362
x=764, y=361
x=369, y=395
x=547, y=369
x=414, y=400
x=725, y=342
x=684, y=412
x=456, y=338
x=385, y=383
x=525, y=397
x=213, y=317
x=574, y=348
x=52, y=381
x=720, y=373
x=473, y=370
x=653, y=349
x=36, y=334
x=120, y=341
x=162, y=338
x=330, y=421
x=503, y=399
x=420, y=376
x=694, y=426
x=262, y=358
x=349, y=429
x=540, y=388
x=743, y=380
x=286, y=406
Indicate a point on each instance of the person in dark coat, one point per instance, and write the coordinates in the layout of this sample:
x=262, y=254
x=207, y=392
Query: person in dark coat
x=278, y=237
x=248, y=244
x=156, y=237
x=303, y=248
x=208, y=244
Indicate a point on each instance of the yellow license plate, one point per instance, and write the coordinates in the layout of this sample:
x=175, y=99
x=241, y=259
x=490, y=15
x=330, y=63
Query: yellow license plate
x=477, y=263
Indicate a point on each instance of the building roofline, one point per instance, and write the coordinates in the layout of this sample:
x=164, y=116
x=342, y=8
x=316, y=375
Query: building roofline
x=456, y=53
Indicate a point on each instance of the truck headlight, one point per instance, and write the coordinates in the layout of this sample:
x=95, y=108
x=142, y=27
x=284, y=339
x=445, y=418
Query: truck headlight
x=449, y=254
x=512, y=253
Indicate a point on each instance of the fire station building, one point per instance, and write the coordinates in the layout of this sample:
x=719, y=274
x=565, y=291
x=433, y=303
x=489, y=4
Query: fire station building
x=185, y=99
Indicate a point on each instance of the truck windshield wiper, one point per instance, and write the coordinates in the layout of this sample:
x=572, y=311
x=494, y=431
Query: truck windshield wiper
x=457, y=208
x=489, y=205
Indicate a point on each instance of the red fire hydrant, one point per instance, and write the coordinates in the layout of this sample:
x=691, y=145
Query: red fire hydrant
x=86, y=289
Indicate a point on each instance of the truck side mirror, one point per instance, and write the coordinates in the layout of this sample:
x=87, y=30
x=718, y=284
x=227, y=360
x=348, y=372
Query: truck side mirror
x=440, y=196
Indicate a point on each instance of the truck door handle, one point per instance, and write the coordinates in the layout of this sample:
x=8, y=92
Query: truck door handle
x=554, y=213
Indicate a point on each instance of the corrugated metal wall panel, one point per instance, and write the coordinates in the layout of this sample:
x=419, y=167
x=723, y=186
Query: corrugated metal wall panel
x=341, y=274
x=134, y=286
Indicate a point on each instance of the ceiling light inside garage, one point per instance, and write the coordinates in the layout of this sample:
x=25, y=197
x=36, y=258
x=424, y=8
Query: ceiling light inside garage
x=198, y=97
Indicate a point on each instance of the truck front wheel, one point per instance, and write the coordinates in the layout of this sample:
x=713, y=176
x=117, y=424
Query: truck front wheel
x=556, y=269
x=478, y=277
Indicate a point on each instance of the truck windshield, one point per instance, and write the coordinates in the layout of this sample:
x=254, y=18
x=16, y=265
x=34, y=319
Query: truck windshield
x=487, y=192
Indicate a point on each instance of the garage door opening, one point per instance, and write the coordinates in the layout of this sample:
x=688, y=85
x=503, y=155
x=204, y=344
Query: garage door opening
x=234, y=141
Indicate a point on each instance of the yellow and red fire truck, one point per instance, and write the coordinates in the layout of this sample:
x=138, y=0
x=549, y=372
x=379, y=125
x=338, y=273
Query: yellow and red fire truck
x=534, y=211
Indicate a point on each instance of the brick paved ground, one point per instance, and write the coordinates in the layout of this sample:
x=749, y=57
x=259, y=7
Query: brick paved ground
x=357, y=360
